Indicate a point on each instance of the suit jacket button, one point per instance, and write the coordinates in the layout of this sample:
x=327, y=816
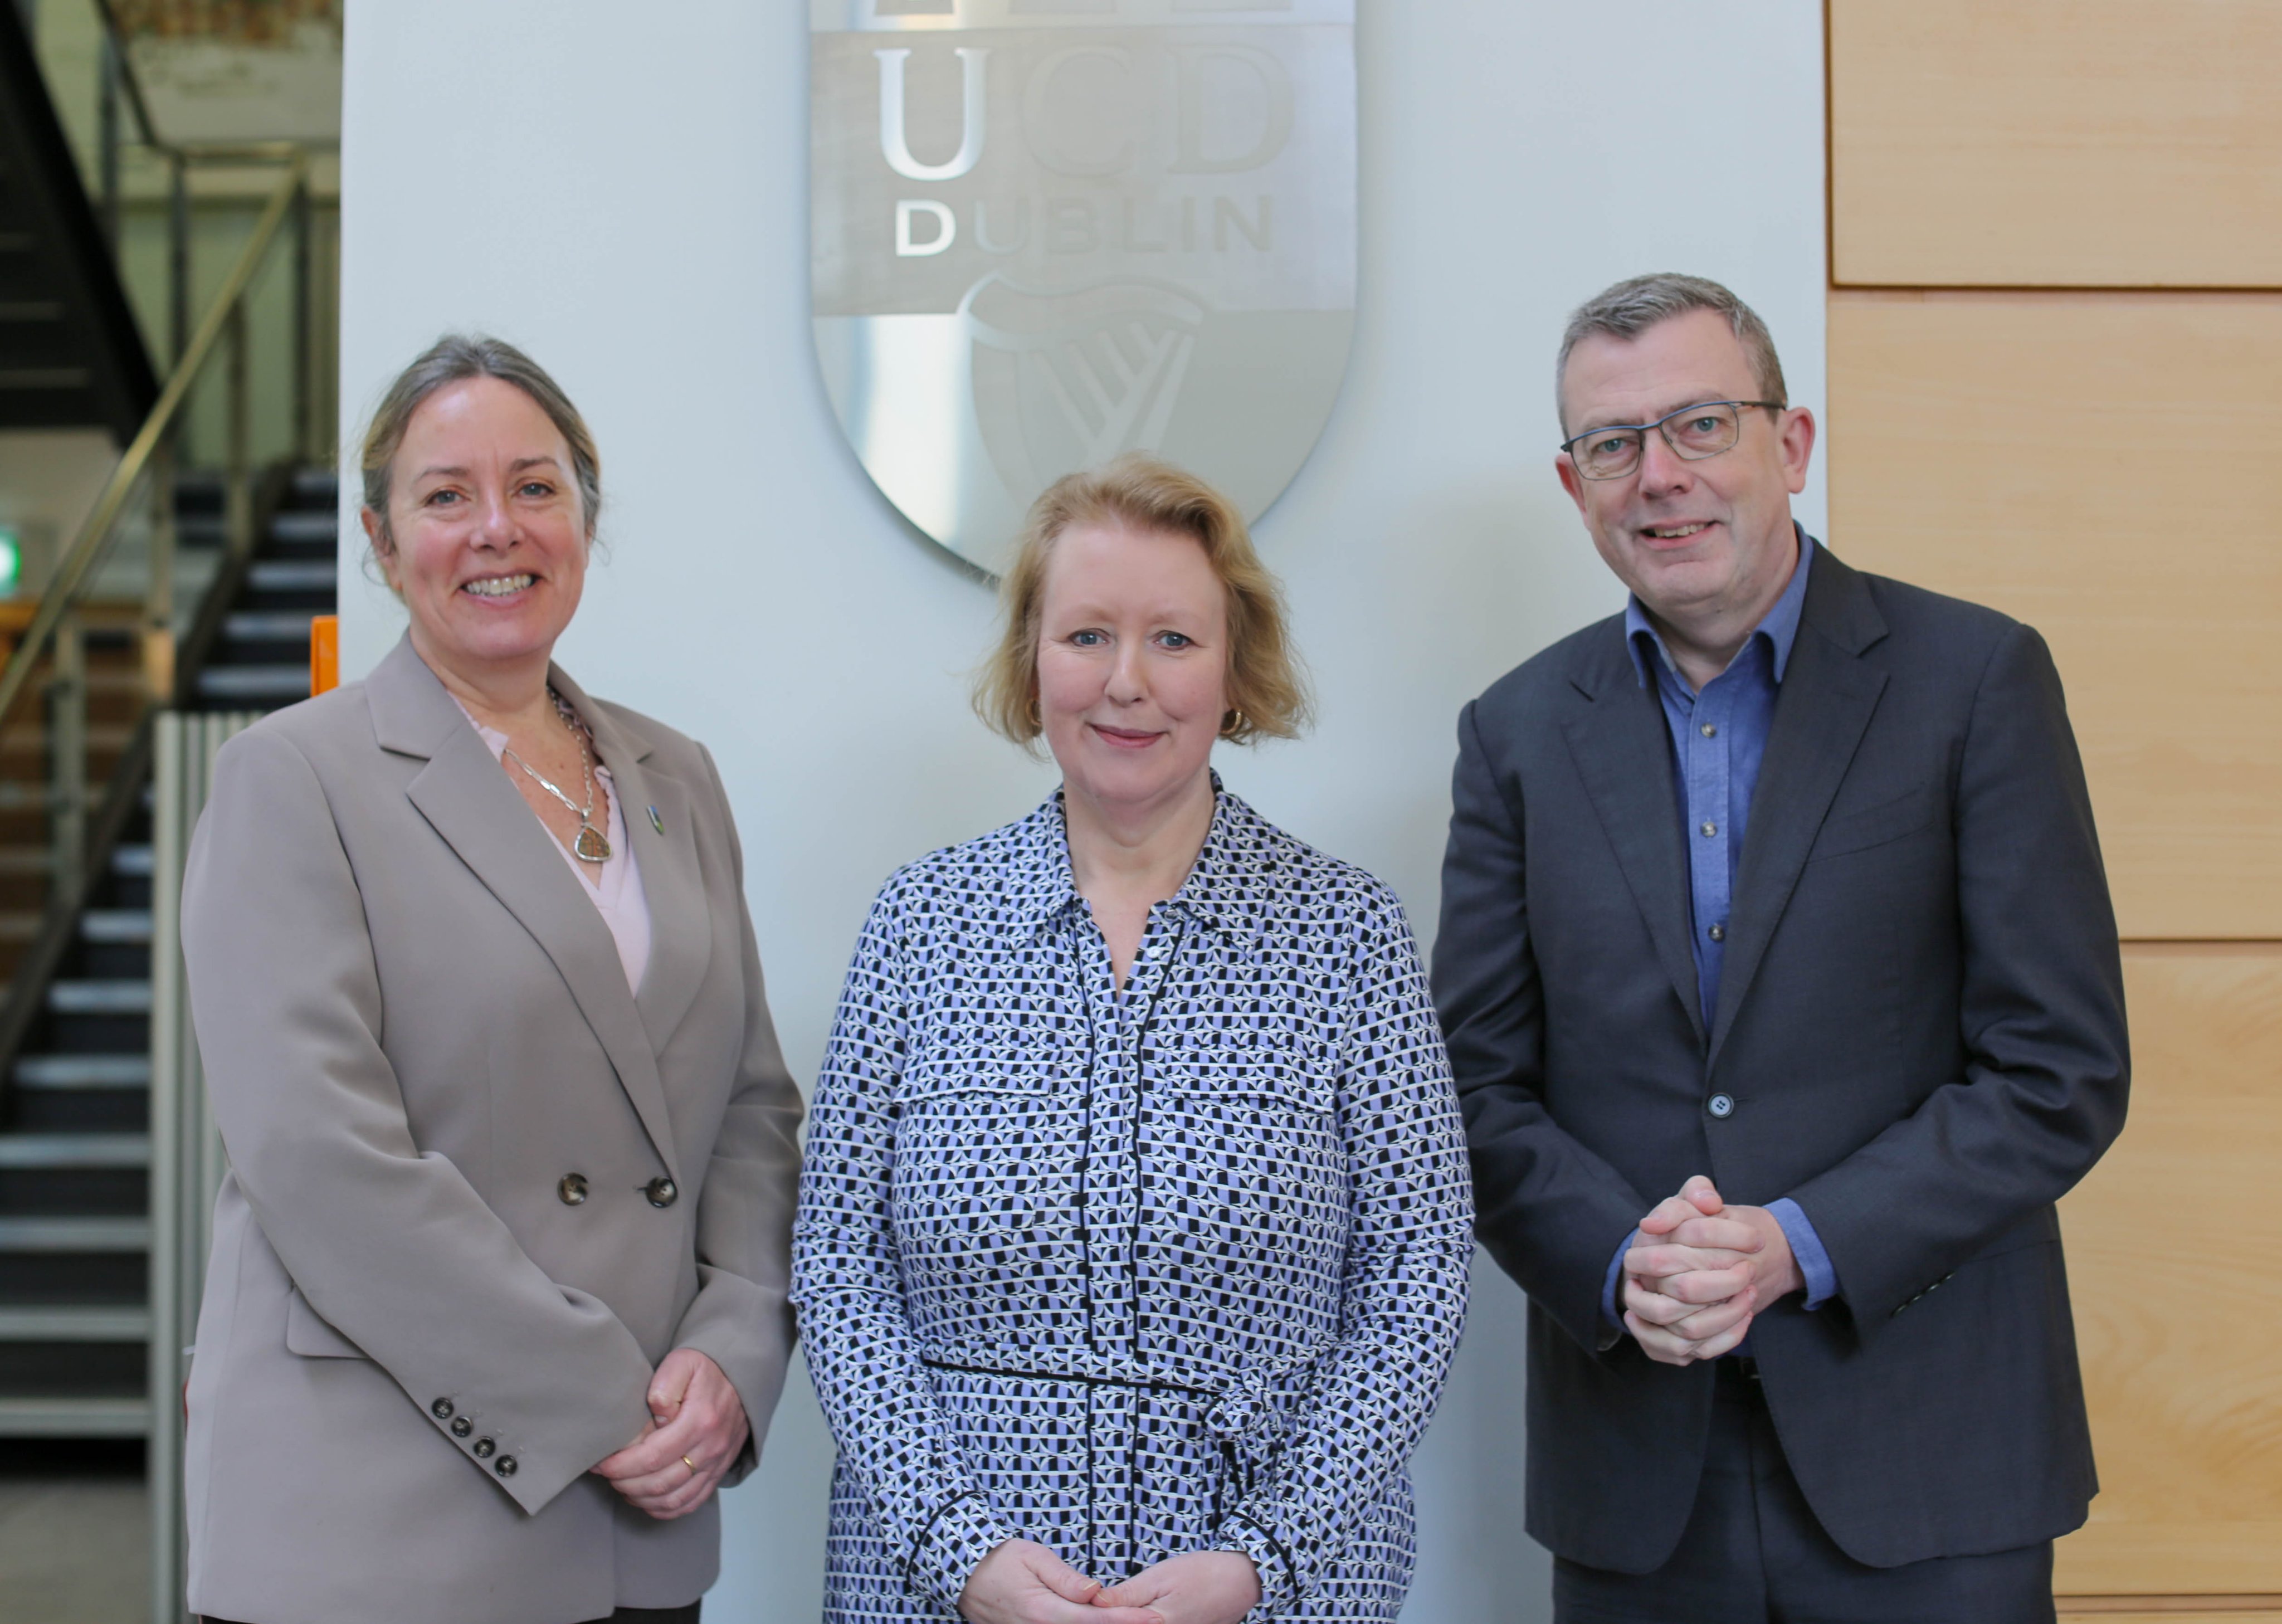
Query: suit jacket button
x=505, y=1465
x=484, y=1448
x=572, y=1189
x=441, y=1410
x=662, y=1193
x=461, y=1427
x=1721, y=1106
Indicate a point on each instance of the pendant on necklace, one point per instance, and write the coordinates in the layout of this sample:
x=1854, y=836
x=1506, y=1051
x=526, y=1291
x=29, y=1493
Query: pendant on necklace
x=592, y=848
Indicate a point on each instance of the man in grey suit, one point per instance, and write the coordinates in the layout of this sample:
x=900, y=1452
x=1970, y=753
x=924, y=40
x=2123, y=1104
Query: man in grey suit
x=1781, y=986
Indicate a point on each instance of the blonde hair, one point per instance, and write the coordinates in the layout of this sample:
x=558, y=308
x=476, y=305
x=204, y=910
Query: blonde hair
x=1267, y=694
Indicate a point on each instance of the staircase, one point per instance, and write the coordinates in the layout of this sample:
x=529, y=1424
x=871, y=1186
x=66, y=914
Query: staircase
x=75, y=1148
x=70, y=355
x=187, y=589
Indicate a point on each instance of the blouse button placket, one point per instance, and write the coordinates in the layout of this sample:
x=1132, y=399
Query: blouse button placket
x=1121, y=1029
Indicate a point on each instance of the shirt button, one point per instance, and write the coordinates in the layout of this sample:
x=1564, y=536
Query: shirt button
x=1721, y=1106
x=1718, y=933
x=1711, y=732
x=1709, y=829
x=572, y=1189
x=662, y=1193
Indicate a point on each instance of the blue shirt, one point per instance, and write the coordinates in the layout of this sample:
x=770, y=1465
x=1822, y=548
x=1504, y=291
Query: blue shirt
x=1718, y=740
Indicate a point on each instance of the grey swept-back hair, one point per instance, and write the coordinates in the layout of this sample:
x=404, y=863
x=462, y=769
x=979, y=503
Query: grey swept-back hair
x=1638, y=303
x=453, y=359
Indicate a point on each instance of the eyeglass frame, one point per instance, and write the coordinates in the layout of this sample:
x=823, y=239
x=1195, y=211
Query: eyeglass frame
x=1642, y=429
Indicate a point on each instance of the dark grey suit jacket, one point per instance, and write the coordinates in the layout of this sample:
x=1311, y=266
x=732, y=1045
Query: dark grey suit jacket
x=1921, y=1022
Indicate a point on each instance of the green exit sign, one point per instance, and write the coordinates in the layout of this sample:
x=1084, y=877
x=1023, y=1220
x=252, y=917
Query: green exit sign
x=11, y=561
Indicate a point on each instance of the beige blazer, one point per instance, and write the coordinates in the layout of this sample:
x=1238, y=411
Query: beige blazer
x=478, y=1188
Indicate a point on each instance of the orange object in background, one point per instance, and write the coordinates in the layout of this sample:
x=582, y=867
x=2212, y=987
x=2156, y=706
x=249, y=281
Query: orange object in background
x=324, y=653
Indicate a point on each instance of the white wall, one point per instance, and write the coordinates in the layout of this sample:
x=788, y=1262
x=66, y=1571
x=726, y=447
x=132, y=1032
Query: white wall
x=624, y=193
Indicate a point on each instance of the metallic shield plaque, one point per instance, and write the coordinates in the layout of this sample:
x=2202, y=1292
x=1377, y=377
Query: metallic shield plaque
x=1045, y=232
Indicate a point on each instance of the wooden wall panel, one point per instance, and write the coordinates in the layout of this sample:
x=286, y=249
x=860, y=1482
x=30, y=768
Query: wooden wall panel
x=2170, y=1615
x=2057, y=143
x=2172, y=1244
x=2107, y=467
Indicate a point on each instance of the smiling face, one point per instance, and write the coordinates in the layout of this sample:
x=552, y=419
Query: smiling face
x=486, y=539
x=1132, y=663
x=1702, y=541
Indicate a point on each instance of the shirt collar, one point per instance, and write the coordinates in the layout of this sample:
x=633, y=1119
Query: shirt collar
x=1779, y=627
x=1227, y=888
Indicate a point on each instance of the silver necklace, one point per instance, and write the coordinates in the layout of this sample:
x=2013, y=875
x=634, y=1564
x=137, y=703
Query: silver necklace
x=591, y=846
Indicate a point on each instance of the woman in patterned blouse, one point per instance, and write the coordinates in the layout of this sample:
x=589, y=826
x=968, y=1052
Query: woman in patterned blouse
x=1134, y=1228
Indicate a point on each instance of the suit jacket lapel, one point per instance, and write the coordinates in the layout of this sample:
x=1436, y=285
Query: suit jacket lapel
x=1623, y=750
x=1828, y=695
x=680, y=921
x=468, y=800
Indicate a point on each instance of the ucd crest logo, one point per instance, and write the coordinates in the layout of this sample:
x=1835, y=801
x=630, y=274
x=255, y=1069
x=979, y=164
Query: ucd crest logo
x=1048, y=231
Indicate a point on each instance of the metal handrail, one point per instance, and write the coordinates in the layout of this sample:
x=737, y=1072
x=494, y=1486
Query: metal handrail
x=114, y=39
x=93, y=542
x=123, y=81
x=49, y=658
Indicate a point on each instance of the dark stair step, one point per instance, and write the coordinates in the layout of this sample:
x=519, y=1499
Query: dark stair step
x=67, y=1233
x=81, y=1073
x=51, y=1370
x=254, y=686
x=75, y=1417
x=60, y=1259
x=275, y=584
x=303, y=535
x=75, y=1175
x=95, y=1322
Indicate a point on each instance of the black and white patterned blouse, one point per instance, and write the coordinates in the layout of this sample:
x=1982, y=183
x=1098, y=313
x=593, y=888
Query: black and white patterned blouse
x=1133, y=1274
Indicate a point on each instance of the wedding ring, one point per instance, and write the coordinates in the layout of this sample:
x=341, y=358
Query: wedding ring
x=691, y=1464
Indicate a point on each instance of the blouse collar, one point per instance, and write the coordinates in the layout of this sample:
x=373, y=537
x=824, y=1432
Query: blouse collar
x=1228, y=889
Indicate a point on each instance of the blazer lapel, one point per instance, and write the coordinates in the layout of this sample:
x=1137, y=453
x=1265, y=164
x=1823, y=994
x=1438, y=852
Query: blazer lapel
x=1828, y=698
x=680, y=920
x=1623, y=751
x=468, y=801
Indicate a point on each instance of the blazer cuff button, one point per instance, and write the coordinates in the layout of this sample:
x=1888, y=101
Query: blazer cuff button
x=662, y=1193
x=461, y=1427
x=504, y=1466
x=484, y=1448
x=441, y=1410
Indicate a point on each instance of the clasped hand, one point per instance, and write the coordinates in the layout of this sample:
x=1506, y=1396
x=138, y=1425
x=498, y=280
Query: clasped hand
x=1022, y=1583
x=697, y=1429
x=1698, y=1272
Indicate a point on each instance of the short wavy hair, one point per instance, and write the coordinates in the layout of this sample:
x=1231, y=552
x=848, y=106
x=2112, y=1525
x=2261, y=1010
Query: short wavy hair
x=1267, y=690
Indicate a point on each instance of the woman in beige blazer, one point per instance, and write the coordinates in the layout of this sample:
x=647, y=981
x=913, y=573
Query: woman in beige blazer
x=498, y=1291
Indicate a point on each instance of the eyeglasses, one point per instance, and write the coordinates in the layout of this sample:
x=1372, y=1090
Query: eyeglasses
x=1694, y=432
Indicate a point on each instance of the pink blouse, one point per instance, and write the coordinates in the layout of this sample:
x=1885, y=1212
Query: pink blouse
x=615, y=886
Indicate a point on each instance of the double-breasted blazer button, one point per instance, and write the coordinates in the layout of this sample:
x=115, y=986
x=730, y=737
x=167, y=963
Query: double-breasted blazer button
x=484, y=1448
x=661, y=1192
x=572, y=1189
x=504, y=1466
x=461, y=1427
x=1721, y=1106
x=441, y=1410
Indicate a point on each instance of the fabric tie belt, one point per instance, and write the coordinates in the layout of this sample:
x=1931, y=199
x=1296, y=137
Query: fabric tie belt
x=1243, y=1417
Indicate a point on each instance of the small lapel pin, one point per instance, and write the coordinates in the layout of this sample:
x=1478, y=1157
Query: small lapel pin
x=655, y=821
